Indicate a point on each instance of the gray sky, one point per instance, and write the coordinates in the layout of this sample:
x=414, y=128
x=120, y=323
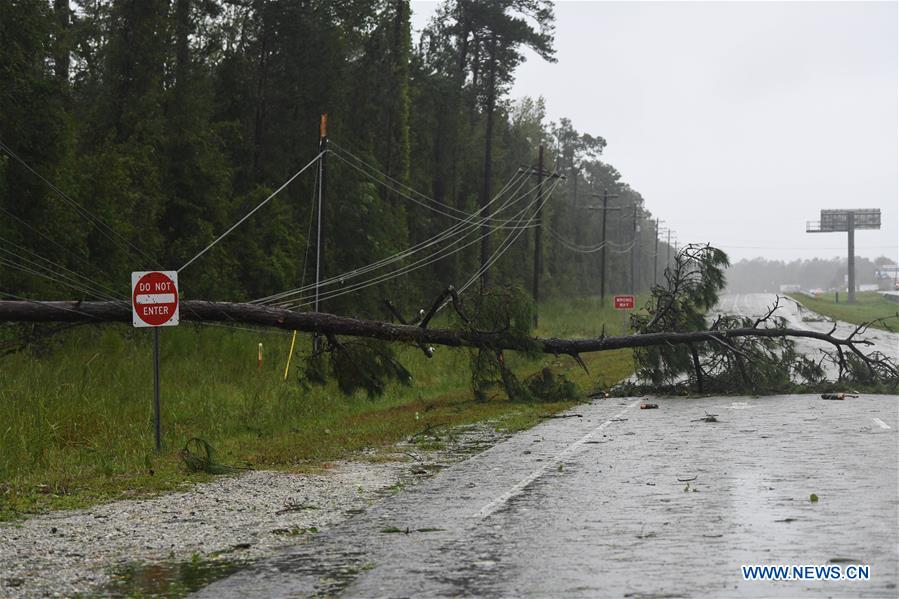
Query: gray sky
x=737, y=121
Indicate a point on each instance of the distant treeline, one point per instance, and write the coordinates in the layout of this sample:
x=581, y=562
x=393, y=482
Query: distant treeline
x=170, y=119
x=759, y=274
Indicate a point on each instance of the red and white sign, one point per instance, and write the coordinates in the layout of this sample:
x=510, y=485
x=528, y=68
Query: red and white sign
x=624, y=302
x=154, y=298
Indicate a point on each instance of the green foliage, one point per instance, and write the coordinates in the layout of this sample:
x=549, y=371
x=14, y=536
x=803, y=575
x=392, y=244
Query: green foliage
x=870, y=307
x=82, y=407
x=693, y=283
x=170, y=119
x=508, y=312
x=760, y=365
x=199, y=456
x=548, y=386
x=365, y=365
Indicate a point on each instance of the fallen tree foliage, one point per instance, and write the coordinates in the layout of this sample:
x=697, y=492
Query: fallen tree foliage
x=673, y=342
x=331, y=324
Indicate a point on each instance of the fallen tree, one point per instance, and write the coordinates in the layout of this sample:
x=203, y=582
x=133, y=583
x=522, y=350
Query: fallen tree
x=674, y=345
x=331, y=324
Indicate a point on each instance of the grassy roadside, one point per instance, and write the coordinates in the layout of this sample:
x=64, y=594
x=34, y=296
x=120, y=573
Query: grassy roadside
x=869, y=306
x=77, y=416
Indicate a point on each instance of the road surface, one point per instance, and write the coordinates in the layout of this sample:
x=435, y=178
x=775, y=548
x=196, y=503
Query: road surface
x=615, y=501
x=755, y=305
x=599, y=505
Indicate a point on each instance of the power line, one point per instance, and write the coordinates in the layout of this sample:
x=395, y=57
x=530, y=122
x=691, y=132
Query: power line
x=98, y=223
x=303, y=301
x=454, y=230
x=398, y=187
x=250, y=213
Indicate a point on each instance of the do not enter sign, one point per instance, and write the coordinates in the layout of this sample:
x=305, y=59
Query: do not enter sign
x=154, y=298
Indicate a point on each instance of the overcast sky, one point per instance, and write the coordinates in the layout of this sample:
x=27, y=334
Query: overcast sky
x=737, y=122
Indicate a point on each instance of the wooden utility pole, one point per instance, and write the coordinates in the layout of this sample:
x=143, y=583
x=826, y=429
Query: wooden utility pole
x=488, y=166
x=668, y=259
x=634, y=253
x=538, y=232
x=655, y=259
x=319, y=238
x=602, y=251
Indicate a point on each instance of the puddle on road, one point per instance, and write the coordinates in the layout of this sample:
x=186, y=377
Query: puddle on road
x=169, y=579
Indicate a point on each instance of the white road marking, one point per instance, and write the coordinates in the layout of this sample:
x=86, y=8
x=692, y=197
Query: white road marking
x=881, y=423
x=740, y=405
x=156, y=298
x=520, y=486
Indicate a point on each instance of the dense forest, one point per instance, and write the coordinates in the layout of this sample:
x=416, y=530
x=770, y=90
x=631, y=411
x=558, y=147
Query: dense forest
x=135, y=132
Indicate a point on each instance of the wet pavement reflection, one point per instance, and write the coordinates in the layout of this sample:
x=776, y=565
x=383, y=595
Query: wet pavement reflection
x=628, y=503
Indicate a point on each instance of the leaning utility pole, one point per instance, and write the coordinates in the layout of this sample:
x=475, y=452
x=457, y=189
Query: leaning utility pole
x=848, y=221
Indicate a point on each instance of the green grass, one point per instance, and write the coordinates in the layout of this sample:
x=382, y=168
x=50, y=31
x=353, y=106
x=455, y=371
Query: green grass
x=869, y=306
x=76, y=418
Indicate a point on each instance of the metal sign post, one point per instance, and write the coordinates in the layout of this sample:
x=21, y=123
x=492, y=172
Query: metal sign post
x=154, y=304
x=624, y=303
x=156, y=409
x=847, y=221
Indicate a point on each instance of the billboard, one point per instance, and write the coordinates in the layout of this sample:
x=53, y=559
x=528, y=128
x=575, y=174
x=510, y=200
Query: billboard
x=838, y=220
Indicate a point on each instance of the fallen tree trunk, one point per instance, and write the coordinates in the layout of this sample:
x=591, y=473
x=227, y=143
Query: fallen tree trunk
x=330, y=324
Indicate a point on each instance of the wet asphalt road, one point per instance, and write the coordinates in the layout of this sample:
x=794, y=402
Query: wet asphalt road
x=623, y=502
x=755, y=305
x=598, y=506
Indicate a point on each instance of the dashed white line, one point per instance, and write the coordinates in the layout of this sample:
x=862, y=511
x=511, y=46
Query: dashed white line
x=520, y=486
x=881, y=423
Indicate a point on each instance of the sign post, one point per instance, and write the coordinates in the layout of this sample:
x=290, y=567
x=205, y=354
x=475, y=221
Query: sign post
x=154, y=304
x=624, y=303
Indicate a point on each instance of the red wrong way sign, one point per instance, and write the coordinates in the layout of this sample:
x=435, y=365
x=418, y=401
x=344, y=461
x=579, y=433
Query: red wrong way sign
x=624, y=302
x=154, y=298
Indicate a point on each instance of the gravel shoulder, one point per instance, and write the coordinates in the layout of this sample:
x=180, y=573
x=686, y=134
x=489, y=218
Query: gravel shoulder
x=238, y=518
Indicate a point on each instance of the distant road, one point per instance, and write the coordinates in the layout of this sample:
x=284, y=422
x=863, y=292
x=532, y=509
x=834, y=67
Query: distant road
x=756, y=304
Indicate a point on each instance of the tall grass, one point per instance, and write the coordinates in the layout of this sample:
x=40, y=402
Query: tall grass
x=869, y=306
x=76, y=417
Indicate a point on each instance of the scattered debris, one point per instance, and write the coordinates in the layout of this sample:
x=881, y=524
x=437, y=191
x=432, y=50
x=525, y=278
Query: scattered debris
x=787, y=520
x=562, y=416
x=813, y=498
x=199, y=456
x=836, y=395
x=707, y=418
x=648, y=406
x=394, y=529
x=295, y=506
x=407, y=530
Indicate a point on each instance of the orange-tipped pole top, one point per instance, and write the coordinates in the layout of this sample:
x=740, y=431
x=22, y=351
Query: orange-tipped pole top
x=323, y=126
